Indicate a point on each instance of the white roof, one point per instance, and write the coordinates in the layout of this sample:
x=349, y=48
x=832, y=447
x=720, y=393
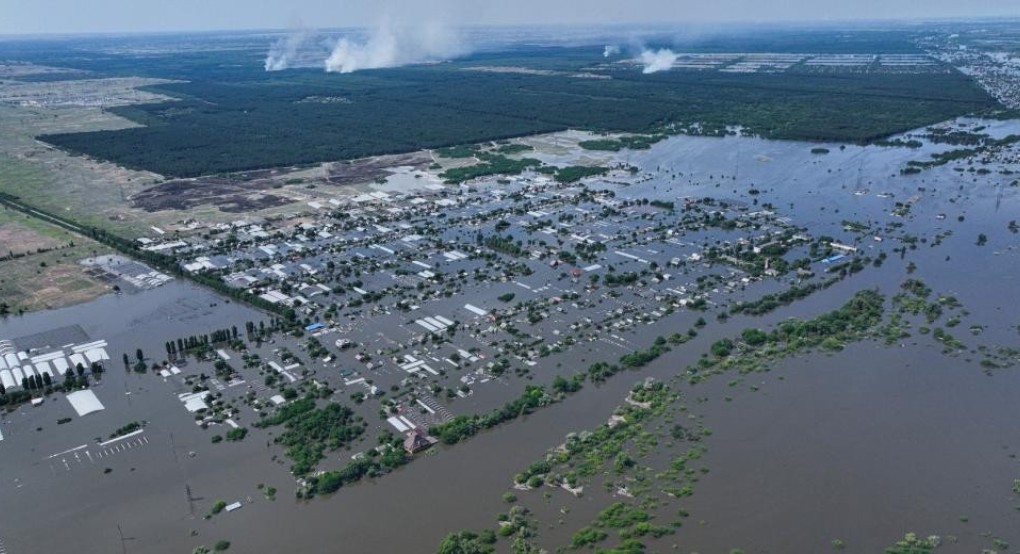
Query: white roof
x=61, y=365
x=195, y=404
x=398, y=424
x=96, y=355
x=88, y=346
x=44, y=368
x=84, y=402
x=77, y=359
x=428, y=326
x=436, y=323
x=195, y=401
x=7, y=378
x=47, y=357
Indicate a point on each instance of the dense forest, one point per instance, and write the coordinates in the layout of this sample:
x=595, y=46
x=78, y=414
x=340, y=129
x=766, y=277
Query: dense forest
x=230, y=115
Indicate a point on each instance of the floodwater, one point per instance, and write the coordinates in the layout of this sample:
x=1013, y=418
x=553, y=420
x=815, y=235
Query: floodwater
x=145, y=319
x=862, y=446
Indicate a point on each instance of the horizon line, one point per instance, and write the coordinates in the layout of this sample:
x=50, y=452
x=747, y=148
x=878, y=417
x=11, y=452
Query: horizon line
x=722, y=24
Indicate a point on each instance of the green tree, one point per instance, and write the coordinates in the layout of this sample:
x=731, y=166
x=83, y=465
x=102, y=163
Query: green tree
x=464, y=542
x=237, y=434
x=722, y=348
x=754, y=337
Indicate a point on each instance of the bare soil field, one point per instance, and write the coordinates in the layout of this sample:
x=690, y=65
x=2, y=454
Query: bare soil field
x=15, y=70
x=103, y=93
x=16, y=239
x=21, y=234
x=39, y=264
x=46, y=281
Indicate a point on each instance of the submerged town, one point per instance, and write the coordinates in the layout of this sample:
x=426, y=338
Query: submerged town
x=557, y=329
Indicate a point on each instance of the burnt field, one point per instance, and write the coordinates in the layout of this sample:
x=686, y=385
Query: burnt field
x=363, y=171
x=228, y=195
x=262, y=189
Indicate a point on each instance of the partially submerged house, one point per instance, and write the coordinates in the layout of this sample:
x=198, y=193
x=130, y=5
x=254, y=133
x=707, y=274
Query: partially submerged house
x=417, y=441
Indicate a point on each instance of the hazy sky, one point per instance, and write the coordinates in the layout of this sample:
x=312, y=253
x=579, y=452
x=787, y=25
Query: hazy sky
x=99, y=16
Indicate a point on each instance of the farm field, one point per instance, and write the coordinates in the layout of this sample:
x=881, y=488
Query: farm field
x=39, y=266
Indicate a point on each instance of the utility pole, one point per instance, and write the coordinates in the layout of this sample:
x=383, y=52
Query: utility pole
x=191, y=499
x=123, y=539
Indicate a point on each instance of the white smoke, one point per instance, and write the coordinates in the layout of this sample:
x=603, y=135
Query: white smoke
x=611, y=50
x=657, y=60
x=391, y=45
x=284, y=51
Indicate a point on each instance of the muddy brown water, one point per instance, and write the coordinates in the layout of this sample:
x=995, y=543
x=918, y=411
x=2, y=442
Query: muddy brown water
x=838, y=448
x=862, y=446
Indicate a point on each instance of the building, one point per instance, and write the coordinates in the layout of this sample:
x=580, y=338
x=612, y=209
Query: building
x=417, y=441
x=843, y=247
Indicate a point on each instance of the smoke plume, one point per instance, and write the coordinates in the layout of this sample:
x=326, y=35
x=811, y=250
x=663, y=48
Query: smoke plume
x=611, y=50
x=391, y=45
x=657, y=60
x=284, y=51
